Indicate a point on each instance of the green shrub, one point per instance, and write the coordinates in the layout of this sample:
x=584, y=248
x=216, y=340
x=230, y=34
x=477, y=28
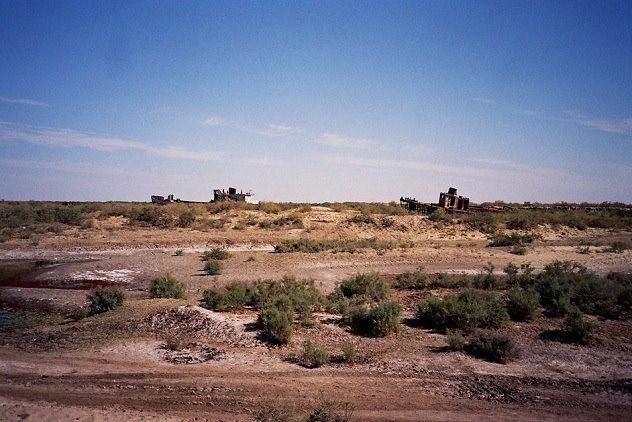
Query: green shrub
x=350, y=353
x=417, y=279
x=336, y=246
x=166, y=287
x=455, y=339
x=303, y=295
x=464, y=311
x=579, y=330
x=104, y=300
x=522, y=304
x=369, y=285
x=276, y=323
x=313, y=355
x=492, y=346
x=233, y=296
x=186, y=218
x=212, y=267
x=377, y=320
x=618, y=247
x=330, y=411
x=511, y=239
x=216, y=253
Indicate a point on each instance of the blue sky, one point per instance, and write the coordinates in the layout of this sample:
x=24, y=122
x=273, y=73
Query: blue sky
x=316, y=101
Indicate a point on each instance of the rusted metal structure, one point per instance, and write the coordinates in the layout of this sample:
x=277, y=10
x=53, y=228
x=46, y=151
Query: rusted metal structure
x=452, y=201
x=220, y=195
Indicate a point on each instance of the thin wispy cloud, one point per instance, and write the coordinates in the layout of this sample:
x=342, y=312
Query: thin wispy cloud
x=70, y=167
x=483, y=100
x=213, y=121
x=622, y=126
x=340, y=141
x=263, y=161
x=67, y=138
x=23, y=101
x=273, y=130
x=270, y=130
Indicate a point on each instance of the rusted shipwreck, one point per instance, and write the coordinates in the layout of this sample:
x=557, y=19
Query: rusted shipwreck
x=219, y=195
x=450, y=201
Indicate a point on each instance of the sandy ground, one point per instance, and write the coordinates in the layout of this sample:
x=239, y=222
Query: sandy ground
x=60, y=369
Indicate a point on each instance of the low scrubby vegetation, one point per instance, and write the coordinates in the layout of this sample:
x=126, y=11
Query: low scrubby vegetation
x=313, y=355
x=493, y=346
x=104, y=300
x=464, y=311
x=341, y=245
x=212, y=267
x=216, y=253
x=166, y=287
x=511, y=239
x=522, y=304
x=577, y=328
x=376, y=320
x=455, y=339
x=278, y=303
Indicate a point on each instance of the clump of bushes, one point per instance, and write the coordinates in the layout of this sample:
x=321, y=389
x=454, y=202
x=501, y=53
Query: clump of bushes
x=464, y=311
x=104, y=300
x=522, y=304
x=417, y=279
x=166, y=287
x=179, y=252
x=341, y=245
x=578, y=329
x=511, y=239
x=377, y=320
x=456, y=340
x=233, y=296
x=276, y=321
x=313, y=355
x=362, y=219
x=293, y=221
x=216, y=253
x=493, y=347
x=186, y=218
x=618, y=247
x=369, y=285
x=212, y=267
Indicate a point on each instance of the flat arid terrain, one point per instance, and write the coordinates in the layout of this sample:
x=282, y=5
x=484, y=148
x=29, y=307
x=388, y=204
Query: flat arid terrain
x=329, y=312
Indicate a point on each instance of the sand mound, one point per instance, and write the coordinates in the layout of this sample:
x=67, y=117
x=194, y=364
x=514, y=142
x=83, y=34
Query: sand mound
x=190, y=322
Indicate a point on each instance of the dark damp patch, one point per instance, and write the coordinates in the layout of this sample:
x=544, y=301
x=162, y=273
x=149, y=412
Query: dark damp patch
x=25, y=274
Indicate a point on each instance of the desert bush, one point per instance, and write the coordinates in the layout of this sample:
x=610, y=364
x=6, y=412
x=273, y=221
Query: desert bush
x=578, y=329
x=377, y=320
x=511, y=239
x=518, y=250
x=455, y=339
x=104, y=300
x=487, y=280
x=465, y=311
x=522, y=304
x=440, y=215
x=369, y=285
x=179, y=252
x=150, y=215
x=362, y=219
x=350, y=354
x=276, y=323
x=618, y=247
x=313, y=355
x=493, y=346
x=341, y=245
x=293, y=221
x=212, y=267
x=330, y=411
x=166, y=287
x=301, y=293
x=186, y=218
x=233, y=296
x=417, y=279
x=216, y=253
